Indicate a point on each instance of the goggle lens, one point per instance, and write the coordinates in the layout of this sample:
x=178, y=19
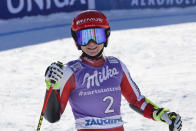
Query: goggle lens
x=96, y=34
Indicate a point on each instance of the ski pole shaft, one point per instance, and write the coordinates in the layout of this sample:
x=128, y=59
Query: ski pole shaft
x=44, y=108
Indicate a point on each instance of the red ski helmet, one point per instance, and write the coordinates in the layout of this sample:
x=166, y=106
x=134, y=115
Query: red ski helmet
x=90, y=19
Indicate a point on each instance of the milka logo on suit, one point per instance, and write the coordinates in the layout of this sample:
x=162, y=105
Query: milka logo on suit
x=98, y=77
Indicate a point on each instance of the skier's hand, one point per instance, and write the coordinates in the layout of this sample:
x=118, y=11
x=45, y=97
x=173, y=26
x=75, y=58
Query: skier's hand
x=171, y=118
x=174, y=121
x=53, y=75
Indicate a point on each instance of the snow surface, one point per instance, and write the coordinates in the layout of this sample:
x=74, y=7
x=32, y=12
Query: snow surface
x=158, y=47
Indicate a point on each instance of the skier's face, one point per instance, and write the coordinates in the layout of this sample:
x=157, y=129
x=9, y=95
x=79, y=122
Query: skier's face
x=92, y=49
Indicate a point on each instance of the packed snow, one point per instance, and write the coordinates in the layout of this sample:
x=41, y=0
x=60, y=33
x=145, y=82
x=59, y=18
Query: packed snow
x=158, y=47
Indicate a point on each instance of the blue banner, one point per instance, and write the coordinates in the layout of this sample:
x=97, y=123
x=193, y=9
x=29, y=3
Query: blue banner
x=142, y=4
x=21, y=8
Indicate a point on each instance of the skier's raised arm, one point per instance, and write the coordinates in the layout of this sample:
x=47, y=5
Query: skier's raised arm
x=64, y=80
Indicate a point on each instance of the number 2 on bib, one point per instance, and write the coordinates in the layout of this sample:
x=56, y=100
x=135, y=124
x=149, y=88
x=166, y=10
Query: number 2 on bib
x=109, y=109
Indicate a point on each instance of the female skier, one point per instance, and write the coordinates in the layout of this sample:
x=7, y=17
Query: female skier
x=94, y=83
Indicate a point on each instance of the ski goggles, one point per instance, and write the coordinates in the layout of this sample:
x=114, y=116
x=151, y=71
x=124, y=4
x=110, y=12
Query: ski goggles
x=96, y=34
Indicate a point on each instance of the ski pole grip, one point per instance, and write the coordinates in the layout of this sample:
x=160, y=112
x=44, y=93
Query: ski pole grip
x=52, y=81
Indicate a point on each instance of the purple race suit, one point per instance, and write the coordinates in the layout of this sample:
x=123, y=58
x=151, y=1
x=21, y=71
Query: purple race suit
x=96, y=99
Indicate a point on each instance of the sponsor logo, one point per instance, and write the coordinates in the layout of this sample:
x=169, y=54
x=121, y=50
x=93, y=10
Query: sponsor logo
x=76, y=66
x=99, y=77
x=92, y=122
x=18, y=6
x=112, y=60
x=158, y=3
x=89, y=20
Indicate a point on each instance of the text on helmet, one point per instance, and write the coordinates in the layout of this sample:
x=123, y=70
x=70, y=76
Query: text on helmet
x=88, y=20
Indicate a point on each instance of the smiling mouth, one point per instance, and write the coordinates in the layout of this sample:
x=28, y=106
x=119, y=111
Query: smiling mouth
x=92, y=48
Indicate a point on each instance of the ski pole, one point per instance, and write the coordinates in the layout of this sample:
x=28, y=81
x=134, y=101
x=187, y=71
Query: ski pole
x=44, y=108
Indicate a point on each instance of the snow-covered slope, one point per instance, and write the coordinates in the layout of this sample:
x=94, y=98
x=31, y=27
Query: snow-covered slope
x=159, y=51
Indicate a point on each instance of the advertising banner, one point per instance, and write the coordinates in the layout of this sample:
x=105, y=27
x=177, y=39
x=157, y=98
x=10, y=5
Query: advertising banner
x=21, y=8
x=142, y=4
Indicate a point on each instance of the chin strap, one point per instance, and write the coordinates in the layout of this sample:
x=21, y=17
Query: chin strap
x=96, y=57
